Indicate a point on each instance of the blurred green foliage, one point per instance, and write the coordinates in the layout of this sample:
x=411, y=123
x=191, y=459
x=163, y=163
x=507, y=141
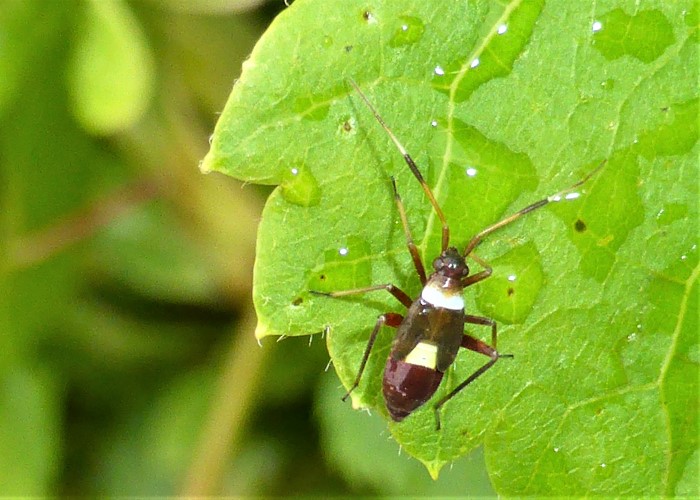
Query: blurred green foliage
x=127, y=359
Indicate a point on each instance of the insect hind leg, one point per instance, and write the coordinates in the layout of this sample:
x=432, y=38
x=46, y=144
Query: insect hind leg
x=476, y=345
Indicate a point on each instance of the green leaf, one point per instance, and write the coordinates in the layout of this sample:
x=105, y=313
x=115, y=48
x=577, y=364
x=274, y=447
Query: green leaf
x=500, y=104
x=111, y=70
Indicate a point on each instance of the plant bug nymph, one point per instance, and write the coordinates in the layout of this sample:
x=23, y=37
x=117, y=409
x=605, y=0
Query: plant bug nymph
x=430, y=334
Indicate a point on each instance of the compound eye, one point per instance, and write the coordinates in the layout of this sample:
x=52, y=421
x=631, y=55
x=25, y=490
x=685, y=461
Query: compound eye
x=465, y=271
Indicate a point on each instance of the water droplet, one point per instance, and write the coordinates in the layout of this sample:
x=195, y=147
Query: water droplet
x=409, y=31
x=300, y=187
x=608, y=84
x=631, y=337
x=434, y=123
x=598, y=245
x=512, y=277
x=342, y=267
x=369, y=17
x=327, y=41
x=567, y=196
x=670, y=213
x=506, y=49
x=556, y=450
x=439, y=71
x=626, y=35
x=603, y=465
x=691, y=17
x=471, y=169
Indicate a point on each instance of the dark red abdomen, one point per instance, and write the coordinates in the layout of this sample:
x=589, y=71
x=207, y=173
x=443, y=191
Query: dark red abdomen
x=407, y=387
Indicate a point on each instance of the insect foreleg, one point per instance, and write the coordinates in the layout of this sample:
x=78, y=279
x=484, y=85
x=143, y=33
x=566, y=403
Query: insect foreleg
x=390, y=319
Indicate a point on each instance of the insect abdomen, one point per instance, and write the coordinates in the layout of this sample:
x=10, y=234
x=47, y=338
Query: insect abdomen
x=409, y=383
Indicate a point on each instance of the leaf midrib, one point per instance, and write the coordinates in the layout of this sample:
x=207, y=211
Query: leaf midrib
x=451, y=109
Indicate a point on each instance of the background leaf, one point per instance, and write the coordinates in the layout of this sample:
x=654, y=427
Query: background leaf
x=528, y=97
x=114, y=311
x=111, y=72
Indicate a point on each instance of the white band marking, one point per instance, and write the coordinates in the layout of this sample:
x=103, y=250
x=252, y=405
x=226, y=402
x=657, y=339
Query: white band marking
x=436, y=297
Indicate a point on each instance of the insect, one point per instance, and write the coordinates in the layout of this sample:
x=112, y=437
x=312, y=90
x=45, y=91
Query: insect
x=430, y=334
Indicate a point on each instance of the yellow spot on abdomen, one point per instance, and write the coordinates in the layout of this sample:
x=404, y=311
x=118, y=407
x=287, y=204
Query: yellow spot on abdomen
x=423, y=354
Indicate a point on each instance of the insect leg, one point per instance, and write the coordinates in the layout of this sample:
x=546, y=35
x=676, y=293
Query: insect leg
x=480, y=276
x=475, y=278
x=417, y=262
x=538, y=204
x=390, y=319
x=461, y=386
x=400, y=295
x=411, y=165
x=485, y=349
x=476, y=345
